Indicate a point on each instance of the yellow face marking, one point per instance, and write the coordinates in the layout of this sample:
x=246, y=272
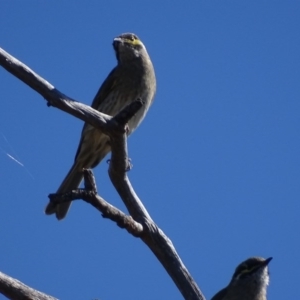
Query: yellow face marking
x=133, y=42
x=248, y=270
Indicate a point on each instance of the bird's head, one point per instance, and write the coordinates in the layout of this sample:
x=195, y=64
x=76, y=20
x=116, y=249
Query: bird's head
x=128, y=46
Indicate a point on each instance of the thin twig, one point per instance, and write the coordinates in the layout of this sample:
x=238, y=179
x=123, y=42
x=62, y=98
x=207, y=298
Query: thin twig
x=89, y=195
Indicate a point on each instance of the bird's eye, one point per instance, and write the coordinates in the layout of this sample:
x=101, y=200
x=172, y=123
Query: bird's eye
x=242, y=270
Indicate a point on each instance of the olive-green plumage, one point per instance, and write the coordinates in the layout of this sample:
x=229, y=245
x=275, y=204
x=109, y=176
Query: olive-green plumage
x=249, y=281
x=132, y=78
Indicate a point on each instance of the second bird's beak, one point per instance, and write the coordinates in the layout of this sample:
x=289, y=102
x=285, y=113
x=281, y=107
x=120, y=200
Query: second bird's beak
x=266, y=262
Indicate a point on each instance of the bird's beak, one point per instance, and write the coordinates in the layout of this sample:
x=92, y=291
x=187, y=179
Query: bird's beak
x=117, y=41
x=266, y=262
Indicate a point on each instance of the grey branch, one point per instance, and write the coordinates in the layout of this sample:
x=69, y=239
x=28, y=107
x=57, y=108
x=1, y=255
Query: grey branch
x=14, y=289
x=115, y=128
x=89, y=194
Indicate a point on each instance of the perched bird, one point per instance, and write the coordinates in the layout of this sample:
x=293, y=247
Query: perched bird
x=249, y=281
x=132, y=78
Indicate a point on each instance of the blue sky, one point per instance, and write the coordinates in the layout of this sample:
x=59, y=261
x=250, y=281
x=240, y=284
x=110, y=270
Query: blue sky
x=216, y=161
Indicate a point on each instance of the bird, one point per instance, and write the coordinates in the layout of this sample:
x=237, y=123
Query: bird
x=249, y=281
x=133, y=77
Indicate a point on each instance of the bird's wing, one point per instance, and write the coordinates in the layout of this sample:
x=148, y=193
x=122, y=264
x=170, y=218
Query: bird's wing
x=107, y=86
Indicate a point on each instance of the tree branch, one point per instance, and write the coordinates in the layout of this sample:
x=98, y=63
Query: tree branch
x=51, y=94
x=16, y=290
x=115, y=128
x=89, y=195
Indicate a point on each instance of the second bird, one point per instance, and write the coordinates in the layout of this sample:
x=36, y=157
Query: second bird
x=132, y=78
x=249, y=281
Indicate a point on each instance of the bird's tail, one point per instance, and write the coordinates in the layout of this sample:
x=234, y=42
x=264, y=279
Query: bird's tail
x=71, y=182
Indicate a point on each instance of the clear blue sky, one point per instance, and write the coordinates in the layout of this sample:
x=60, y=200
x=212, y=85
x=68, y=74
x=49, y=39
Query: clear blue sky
x=216, y=161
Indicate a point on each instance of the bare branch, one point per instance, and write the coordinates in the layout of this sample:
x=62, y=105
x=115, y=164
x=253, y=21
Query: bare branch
x=51, y=94
x=115, y=128
x=89, y=195
x=15, y=289
x=153, y=236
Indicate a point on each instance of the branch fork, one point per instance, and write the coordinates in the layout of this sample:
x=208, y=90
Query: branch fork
x=138, y=222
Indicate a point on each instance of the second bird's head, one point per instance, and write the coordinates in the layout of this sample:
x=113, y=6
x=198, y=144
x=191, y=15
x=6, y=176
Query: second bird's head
x=253, y=270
